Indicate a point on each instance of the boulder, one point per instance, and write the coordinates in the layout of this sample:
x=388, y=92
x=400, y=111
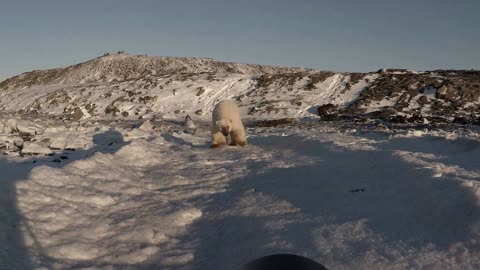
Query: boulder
x=18, y=142
x=32, y=148
x=442, y=92
x=59, y=142
x=417, y=118
x=400, y=119
x=146, y=126
x=327, y=109
x=462, y=120
x=423, y=100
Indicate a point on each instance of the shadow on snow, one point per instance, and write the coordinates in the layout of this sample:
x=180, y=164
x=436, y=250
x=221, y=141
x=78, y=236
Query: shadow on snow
x=403, y=204
x=13, y=252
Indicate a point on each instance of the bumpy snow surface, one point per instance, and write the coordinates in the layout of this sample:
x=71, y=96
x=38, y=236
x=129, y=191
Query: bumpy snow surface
x=155, y=197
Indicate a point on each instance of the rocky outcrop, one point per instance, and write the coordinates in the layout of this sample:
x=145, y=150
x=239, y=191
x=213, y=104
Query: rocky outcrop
x=411, y=97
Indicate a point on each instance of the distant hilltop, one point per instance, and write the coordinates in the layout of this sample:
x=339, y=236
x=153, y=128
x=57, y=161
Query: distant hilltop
x=122, y=66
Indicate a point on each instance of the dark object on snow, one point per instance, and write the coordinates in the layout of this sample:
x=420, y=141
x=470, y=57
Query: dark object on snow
x=416, y=118
x=70, y=149
x=63, y=157
x=462, y=120
x=275, y=122
x=57, y=160
x=327, y=109
x=283, y=262
x=399, y=119
x=357, y=190
x=423, y=100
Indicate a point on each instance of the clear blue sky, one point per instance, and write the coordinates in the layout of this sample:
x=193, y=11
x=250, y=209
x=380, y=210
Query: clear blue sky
x=355, y=35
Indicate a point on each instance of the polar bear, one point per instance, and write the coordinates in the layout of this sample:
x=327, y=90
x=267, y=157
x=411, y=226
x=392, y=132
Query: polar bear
x=226, y=121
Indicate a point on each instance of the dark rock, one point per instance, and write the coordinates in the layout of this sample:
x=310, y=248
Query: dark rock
x=444, y=92
x=360, y=119
x=327, y=109
x=462, y=120
x=200, y=91
x=63, y=157
x=435, y=120
x=76, y=114
x=416, y=118
x=57, y=160
x=275, y=122
x=382, y=114
x=423, y=100
x=399, y=119
x=330, y=117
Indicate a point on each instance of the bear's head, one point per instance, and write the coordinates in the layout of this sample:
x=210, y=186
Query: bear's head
x=225, y=126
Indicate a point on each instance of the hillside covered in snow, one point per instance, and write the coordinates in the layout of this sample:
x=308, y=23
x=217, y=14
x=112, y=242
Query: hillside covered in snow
x=123, y=86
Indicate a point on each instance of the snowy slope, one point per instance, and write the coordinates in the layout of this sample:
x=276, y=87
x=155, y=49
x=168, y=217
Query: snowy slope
x=122, y=66
x=161, y=199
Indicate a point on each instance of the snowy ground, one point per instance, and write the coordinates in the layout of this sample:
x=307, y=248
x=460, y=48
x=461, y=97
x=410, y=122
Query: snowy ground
x=161, y=199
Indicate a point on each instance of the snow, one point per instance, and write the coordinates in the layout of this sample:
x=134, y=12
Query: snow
x=356, y=89
x=384, y=103
x=159, y=198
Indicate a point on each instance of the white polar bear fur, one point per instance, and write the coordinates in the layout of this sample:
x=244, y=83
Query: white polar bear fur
x=226, y=119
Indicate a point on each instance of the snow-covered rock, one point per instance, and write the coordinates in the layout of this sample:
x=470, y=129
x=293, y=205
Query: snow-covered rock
x=19, y=125
x=189, y=124
x=18, y=142
x=146, y=126
x=33, y=148
x=59, y=142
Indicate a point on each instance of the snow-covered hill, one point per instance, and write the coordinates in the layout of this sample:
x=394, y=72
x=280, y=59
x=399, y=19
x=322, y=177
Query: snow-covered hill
x=122, y=66
x=123, y=86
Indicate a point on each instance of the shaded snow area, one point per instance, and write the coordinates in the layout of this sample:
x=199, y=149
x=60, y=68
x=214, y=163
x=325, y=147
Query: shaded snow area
x=155, y=197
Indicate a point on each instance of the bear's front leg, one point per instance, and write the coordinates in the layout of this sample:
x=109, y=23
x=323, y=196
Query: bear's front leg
x=237, y=138
x=218, y=139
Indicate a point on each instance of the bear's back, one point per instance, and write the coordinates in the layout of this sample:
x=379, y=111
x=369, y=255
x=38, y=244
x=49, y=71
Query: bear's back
x=226, y=108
